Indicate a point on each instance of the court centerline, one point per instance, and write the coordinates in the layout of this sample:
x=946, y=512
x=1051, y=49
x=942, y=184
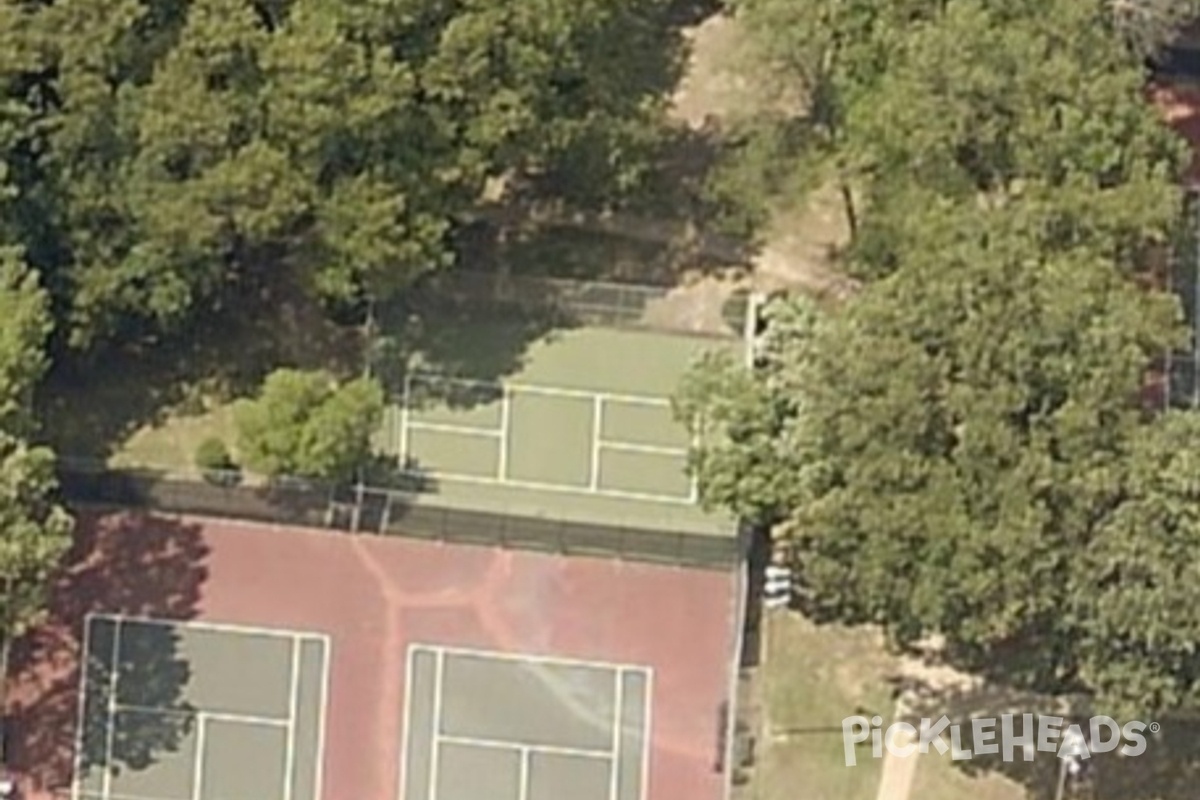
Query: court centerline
x=218, y=716
x=647, y=732
x=110, y=731
x=505, y=433
x=289, y=756
x=436, y=723
x=646, y=449
x=319, y=770
x=617, y=726
x=455, y=430
x=523, y=776
x=198, y=766
x=597, y=430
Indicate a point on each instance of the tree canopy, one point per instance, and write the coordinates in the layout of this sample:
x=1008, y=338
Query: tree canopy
x=306, y=424
x=164, y=153
x=960, y=449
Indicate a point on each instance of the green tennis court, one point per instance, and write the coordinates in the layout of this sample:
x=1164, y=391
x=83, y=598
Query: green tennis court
x=551, y=439
x=511, y=727
x=197, y=711
x=589, y=414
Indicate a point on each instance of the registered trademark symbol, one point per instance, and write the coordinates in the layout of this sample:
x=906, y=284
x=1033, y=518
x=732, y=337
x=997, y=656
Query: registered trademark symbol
x=1155, y=727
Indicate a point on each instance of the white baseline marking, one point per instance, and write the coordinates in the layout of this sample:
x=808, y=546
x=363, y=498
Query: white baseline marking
x=555, y=487
x=556, y=391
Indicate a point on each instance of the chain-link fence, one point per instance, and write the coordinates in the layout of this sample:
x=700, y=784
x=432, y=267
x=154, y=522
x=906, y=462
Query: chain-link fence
x=386, y=512
x=599, y=303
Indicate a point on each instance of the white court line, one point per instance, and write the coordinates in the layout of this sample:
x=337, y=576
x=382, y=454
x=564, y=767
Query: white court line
x=505, y=433
x=110, y=731
x=405, y=722
x=215, y=716
x=647, y=449
x=319, y=772
x=566, y=661
x=614, y=774
x=456, y=430
x=553, y=391
x=548, y=749
x=220, y=627
x=557, y=488
x=402, y=428
x=289, y=756
x=85, y=658
x=198, y=776
x=523, y=778
x=597, y=432
x=116, y=796
x=647, y=732
x=436, y=724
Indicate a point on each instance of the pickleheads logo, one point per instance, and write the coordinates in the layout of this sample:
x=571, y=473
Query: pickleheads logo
x=992, y=736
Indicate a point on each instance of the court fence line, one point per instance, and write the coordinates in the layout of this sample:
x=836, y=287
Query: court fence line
x=590, y=302
x=382, y=511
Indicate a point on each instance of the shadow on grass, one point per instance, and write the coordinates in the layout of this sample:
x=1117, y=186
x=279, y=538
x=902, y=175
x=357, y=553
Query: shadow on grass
x=92, y=402
x=1168, y=769
x=127, y=564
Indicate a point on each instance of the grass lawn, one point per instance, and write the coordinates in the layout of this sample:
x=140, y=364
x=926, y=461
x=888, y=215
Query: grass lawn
x=813, y=678
x=940, y=778
x=171, y=444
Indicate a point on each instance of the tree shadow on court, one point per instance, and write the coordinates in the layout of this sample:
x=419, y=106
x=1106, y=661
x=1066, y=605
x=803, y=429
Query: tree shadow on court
x=1169, y=769
x=466, y=343
x=125, y=564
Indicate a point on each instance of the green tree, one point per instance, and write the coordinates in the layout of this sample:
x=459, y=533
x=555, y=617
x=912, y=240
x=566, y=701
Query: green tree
x=34, y=532
x=25, y=312
x=172, y=155
x=1135, y=595
x=944, y=448
x=306, y=424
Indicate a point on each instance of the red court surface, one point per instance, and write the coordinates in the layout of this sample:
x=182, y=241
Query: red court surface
x=374, y=596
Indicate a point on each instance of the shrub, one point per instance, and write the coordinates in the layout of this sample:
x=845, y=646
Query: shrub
x=214, y=460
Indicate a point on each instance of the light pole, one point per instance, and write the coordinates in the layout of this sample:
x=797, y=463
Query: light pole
x=1071, y=763
x=7, y=788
